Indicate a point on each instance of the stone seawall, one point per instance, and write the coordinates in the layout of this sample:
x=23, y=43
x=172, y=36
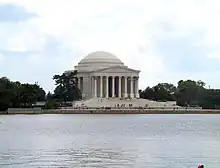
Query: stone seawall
x=115, y=111
x=3, y=112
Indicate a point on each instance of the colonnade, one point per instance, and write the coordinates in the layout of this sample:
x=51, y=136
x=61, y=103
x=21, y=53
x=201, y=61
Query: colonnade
x=113, y=86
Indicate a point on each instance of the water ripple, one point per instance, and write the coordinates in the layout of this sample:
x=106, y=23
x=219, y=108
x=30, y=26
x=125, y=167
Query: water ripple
x=114, y=141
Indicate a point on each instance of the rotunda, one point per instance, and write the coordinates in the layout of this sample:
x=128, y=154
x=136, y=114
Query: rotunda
x=101, y=74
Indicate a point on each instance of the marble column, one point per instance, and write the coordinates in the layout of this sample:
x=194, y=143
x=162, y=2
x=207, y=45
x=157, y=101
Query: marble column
x=95, y=87
x=79, y=83
x=137, y=88
x=132, y=91
x=101, y=87
x=119, y=86
x=106, y=87
x=113, y=86
x=126, y=88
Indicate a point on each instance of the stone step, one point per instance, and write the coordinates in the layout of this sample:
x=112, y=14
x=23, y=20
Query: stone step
x=114, y=102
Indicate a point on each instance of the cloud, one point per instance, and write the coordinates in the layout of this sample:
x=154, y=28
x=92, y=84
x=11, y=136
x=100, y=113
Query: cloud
x=167, y=40
x=2, y=58
x=13, y=13
x=186, y=54
x=38, y=66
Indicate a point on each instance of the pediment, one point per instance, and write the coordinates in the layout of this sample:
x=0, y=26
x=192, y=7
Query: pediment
x=117, y=69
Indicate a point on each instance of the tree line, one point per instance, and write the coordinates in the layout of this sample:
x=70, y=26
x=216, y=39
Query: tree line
x=186, y=93
x=17, y=94
x=25, y=95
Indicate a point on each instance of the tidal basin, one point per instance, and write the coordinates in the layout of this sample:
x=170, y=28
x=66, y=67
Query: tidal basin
x=114, y=141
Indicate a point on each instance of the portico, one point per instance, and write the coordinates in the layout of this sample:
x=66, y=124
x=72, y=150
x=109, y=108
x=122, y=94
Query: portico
x=115, y=86
x=103, y=75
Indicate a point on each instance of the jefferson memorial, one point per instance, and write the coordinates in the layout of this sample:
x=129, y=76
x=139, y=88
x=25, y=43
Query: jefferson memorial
x=104, y=80
x=103, y=75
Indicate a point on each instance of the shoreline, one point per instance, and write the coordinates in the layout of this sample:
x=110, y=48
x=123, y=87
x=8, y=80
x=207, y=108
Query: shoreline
x=111, y=111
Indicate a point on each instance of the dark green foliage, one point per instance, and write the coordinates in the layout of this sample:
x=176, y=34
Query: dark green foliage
x=160, y=92
x=15, y=94
x=66, y=89
x=49, y=96
x=210, y=99
x=187, y=93
x=51, y=104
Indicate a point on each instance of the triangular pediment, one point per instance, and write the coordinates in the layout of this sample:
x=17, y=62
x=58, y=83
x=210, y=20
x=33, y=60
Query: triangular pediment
x=116, y=69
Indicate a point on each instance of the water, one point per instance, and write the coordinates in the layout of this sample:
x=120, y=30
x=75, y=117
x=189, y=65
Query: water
x=114, y=141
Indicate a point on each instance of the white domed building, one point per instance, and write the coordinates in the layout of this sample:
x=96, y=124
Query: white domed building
x=103, y=75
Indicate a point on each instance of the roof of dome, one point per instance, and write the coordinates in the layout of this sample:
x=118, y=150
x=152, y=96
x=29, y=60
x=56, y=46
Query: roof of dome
x=101, y=57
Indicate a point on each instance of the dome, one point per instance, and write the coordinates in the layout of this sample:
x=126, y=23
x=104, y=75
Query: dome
x=101, y=57
x=98, y=60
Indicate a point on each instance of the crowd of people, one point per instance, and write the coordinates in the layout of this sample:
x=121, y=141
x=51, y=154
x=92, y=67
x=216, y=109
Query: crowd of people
x=116, y=106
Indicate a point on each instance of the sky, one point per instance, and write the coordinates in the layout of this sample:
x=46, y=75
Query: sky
x=166, y=40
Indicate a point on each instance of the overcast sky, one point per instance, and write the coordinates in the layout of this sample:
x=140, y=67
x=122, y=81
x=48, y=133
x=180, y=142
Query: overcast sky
x=167, y=40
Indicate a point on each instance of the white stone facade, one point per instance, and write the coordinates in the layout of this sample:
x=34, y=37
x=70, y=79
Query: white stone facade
x=103, y=75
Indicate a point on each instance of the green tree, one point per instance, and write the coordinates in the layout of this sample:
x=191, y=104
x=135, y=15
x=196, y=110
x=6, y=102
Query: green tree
x=66, y=87
x=164, y=92
x=189, y=92
x=7, y=93
x=49, y=96
x=51, y=104
x=148, y=93
x=30, y=94
x=160, y=92
x=210, y=99
x=15, y=94
x=41, y=94
x=16, y=100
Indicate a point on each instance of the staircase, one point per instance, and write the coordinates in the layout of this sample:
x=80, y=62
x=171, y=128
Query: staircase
x=116, y=102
